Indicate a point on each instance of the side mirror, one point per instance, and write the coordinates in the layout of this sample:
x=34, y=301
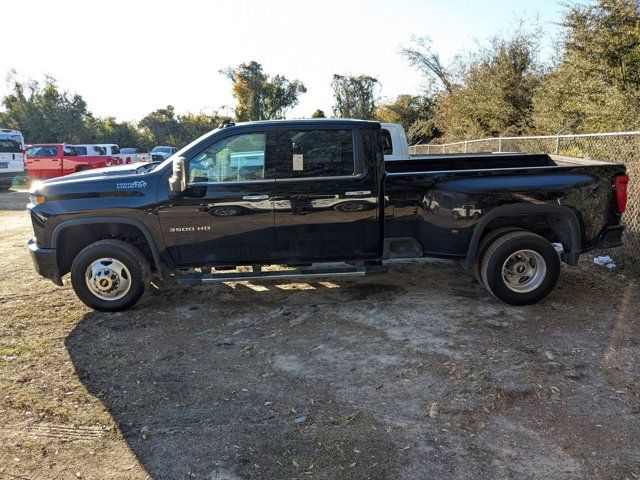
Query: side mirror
x=178, y=179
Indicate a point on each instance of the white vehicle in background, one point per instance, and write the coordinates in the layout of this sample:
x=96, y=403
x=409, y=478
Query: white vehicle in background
x=112, y=150
x=135, y=155
x=162, y=152
x=89, y=150
x=12, y=155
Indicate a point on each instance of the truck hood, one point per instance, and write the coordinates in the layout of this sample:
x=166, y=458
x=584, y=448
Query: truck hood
x=129, y=169
x=119, y=181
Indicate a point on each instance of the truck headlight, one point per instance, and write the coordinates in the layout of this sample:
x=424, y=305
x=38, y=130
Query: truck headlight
x=36, y=199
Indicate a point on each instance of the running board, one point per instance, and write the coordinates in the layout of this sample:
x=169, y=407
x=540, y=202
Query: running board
x=303, y=273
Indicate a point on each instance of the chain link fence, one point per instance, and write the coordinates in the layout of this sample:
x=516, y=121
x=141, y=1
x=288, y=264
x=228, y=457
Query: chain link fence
x=620, y=147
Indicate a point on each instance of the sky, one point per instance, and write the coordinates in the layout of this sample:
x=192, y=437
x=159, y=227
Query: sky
x=128, y=58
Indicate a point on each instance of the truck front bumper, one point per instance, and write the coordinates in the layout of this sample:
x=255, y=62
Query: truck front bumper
x=45, y=262
x=611, y=236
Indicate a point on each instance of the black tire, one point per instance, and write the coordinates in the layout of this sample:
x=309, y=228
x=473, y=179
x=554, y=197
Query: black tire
x=125, y=253
x=502, y=249
x=487, y=240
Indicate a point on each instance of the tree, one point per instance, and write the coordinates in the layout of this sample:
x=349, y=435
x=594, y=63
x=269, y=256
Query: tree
x=318, y=114
x=354, y=97
x=489, y=93
x=422, y=57
x=259, y=96
x=414, y=112
x=161, y=125
x=43, y=113
x=595, y=82
x=164, y=127
x=124, y=134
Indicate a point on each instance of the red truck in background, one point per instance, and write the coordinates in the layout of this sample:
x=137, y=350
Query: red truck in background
x=55, y=160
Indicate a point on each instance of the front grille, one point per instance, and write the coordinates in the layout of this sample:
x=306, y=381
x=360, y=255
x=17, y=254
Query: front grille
x=157, y=157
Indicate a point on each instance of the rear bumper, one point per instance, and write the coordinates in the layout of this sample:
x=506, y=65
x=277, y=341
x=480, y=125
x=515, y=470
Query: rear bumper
x=45, y=262
x=6, y=178
x=610, y=236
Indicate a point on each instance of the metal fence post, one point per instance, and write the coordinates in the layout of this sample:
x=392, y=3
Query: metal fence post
x=465, y=146
x=558, y=144
x=500, y=145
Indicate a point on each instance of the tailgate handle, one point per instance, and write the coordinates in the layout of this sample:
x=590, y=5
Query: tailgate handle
x=255, y=197
x=358, y=193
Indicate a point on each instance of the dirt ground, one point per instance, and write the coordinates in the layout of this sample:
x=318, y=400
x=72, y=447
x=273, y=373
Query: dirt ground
x=416, y=374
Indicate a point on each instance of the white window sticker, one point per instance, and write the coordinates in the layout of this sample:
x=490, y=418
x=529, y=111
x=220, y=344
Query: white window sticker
x=298, y=163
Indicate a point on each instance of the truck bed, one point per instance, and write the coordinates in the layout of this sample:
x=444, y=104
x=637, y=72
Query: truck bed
x=483, y=161
x=434, y=204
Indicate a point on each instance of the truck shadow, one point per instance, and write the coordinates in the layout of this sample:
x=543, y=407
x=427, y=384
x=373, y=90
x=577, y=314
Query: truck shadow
x=206, y=381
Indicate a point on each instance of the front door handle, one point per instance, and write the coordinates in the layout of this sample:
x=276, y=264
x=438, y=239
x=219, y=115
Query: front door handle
x=255, y=197
x=358, y=193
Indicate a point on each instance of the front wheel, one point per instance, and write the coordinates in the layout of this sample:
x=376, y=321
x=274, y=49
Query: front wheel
x=110, y=275
x=520, y=268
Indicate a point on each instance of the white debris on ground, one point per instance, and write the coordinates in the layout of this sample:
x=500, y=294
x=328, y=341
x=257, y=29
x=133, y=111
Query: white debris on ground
x=604, y=261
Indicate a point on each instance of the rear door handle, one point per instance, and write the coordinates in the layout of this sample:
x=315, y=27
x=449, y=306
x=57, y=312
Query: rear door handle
x=358, y=193
x=255, y=197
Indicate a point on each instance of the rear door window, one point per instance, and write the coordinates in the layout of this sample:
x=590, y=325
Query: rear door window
x=315, y=153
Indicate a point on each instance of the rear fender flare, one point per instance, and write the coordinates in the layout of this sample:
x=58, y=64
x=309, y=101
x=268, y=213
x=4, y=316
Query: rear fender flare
x=573, y=236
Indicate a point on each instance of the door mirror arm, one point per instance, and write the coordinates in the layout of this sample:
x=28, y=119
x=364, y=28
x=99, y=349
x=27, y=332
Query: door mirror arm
x=178, y=179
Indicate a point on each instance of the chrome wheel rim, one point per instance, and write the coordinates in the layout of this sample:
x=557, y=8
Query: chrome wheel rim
x=108, y=279
x=524, y=271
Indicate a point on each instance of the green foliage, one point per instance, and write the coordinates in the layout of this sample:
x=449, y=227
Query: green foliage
x=167, y=128
x=318, y=114
x=502, y=89
x=259, y=96
x=595, y=84
x=414, y=112
x=488, y=93
x=124, y=134
x=354, y=97
x=43, y=113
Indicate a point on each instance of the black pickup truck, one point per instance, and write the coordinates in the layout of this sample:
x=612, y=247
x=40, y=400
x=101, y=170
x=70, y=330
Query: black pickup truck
x=310, y=194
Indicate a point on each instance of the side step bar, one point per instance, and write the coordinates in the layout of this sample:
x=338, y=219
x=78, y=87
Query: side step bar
x=303, y=273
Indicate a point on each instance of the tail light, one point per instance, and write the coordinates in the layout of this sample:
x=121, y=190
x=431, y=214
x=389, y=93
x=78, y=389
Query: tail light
x=620, y=192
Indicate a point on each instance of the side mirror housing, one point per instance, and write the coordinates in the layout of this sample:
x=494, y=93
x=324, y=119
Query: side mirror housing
x=178, y=179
